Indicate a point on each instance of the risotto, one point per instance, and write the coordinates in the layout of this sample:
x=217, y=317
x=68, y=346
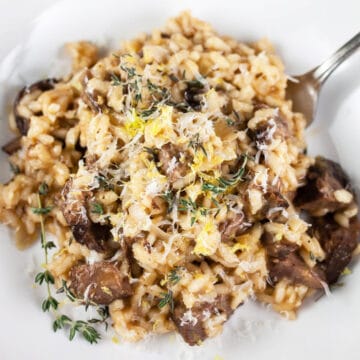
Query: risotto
x=174, y=176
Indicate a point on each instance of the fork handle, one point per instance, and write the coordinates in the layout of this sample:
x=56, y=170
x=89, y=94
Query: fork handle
x=322, y=72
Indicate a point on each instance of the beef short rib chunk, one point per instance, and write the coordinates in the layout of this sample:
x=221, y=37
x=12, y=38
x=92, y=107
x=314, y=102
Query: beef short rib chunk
x=22, y=122
x=267, y=130
x=193, y=332
x=192, y=327
x=323, y=179
x=338, y=243
x=12, y=146
x=283, y=261
x=173, y=168
x=194, y=93
x=275, y=203
x=74, y=206
x=101, y=282
x=230, y=228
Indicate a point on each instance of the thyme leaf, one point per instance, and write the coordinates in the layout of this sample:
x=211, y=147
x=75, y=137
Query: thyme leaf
x=88, y=332
x=41, y=210
x=43, y=188
x=167, y=299
x=196, y=144
x=104, y=182
x=115, y=80
x=65, y=289
x=224, y=183
x=174, y=276
x=48, y=303
x=97, y=208
x=169, y=197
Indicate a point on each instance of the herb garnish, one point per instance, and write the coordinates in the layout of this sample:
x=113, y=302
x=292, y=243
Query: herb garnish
x=43, y=188
x=88, y=332
x=174, y=276
x=224, y=183
x=41, y=210
x=167, y=299
x=188, y=205
x=83, y=327
x=104, y=314
x=196, y=144
x=104, y=182
x=50, y=301
x=146, y=113
x=65, y=289
x=115, y=80
x=169, y=197
x=97, y=208
x=229, y=121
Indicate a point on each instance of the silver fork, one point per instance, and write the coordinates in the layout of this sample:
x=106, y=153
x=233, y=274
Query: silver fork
x=304, y=89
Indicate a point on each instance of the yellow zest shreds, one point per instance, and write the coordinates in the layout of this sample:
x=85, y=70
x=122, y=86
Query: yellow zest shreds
x=218, y=357
x=173, y=147
x=115, y=340
x=134, y=124
x=242, y=243
x=160, y=125
x=208, y=240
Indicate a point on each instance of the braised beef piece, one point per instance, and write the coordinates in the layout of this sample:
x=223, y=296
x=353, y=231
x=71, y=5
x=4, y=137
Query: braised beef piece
x=135, y=269
x=12, y=146
x=101, y=282
x=193, y=332
x=75, y=206
x=265, y=131
x=23, y=122
x=191, y=327
x=231, y=228
x=317, y=196
x=167, y=167
x=274, y=203
x=337, y=242
x=283, y=261
x=194, y=93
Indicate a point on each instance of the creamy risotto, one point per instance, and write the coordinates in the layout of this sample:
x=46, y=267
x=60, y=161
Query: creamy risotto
x=174, y=176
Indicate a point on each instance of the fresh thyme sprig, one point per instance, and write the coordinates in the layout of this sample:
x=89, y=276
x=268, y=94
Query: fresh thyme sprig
x=65, y=289
x=83, y=327
x=224, y=183
x=78, y=326
x=104, y=314
x=50, y=301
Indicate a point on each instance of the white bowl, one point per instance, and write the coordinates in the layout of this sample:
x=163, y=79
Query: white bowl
x=305, y=33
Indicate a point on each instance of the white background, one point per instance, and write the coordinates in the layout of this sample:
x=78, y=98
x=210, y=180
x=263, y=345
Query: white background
x=304, y=32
